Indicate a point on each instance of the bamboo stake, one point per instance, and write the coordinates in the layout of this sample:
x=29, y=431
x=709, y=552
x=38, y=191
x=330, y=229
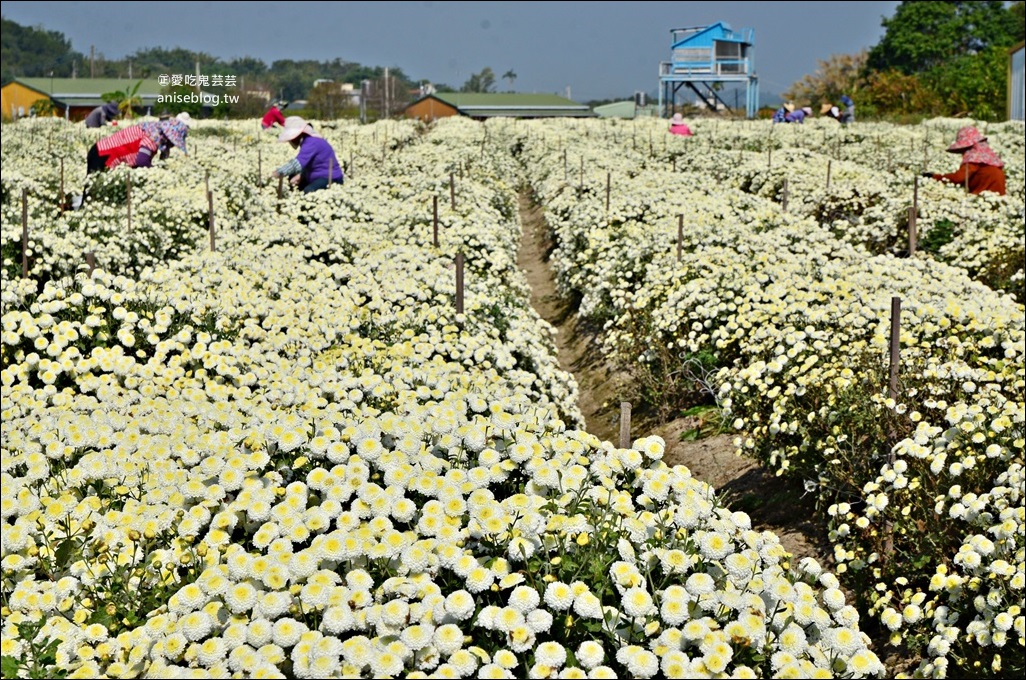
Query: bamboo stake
x=210, y=216
x=24, y=232
x=434, y=207
x=625, y=424
x=459, y=283
x=912, y=232
x=680, y=235
x=128, y=200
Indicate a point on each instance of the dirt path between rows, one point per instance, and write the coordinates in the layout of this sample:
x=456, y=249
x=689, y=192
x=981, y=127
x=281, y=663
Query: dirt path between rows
x=772, y=504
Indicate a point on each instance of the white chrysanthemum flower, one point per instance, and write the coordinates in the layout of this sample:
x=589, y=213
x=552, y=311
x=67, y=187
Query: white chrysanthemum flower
x=460, y=605
x=551, y=654
x=448, y=638
x=539, y=620
x=287, y=632
x=638, y=602
x=506, y=659
x=590, y=654
x=241, y=597
x=638, y=661
x=524, y=599
x=559, y=596
x=588, y=606
x=700, y=584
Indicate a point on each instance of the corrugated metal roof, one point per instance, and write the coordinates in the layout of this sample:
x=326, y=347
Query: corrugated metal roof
x=76, y=88
x=505, y=99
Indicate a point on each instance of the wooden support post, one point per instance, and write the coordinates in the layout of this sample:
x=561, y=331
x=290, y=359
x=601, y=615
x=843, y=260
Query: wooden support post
x=609, y=187
x=625, y=424
x=680, y=235
x=434, y=208
x=769, y=158
x=915, y=194
x=783, y=196
x=452, y=191
x=913, y=236
x=828, y=174
x=459, y=283
x=210, y=217
x=892, y=390
x=128, y=200
x=24, y=232
x=91, y=261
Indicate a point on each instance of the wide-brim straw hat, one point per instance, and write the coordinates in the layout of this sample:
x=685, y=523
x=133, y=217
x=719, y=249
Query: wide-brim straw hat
x=295, y=126
x=967, y=138
x=825, y=108
x=789, y=107
x=185, y=118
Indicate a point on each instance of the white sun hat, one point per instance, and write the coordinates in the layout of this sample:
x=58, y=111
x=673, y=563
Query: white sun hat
x=295, y=126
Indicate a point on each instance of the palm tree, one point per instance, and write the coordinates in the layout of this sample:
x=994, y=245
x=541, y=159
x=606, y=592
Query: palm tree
x=510, y=76
x=126, y=99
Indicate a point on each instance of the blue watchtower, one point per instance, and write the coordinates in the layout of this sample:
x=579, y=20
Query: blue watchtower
x=705, y=55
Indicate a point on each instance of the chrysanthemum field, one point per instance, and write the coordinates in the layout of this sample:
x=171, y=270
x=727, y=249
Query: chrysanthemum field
x=275, y=447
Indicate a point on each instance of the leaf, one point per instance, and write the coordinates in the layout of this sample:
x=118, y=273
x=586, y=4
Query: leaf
x=64, y=552
x=9, y=667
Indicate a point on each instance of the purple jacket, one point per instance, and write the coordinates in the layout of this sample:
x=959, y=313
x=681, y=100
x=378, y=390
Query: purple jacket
x=316, y=157
x=796, y=116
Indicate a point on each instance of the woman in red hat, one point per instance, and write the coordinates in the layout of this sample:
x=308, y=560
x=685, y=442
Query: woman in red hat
x=981, y=169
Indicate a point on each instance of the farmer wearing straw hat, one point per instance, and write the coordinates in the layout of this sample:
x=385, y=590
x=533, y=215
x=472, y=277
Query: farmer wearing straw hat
x=798, y=116
x=981, y=169
x=273, y=116
x=780, y=115
x=136, y=145
x=679, y=127
x=315, y=166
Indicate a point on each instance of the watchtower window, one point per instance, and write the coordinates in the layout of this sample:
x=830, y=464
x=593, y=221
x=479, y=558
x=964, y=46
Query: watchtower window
x=692, y=54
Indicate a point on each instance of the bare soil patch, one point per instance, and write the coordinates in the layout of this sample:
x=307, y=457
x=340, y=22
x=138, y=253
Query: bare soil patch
x=774, y=504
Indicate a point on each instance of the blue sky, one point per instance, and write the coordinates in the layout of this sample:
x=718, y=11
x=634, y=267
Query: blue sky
x=599, y=50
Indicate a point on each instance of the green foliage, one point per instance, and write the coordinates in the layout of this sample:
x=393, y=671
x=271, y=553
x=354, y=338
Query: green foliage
x=33, y=52
x=39, y=659
x=925, y=35
x=941, y=234
x=127, y=99
x=481, y=82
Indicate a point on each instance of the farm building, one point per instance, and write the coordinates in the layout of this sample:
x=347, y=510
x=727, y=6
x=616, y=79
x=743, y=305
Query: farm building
x=705, y=56
x=626, y=109
x=479, y=106
x=74, y=98
x=1017, y=82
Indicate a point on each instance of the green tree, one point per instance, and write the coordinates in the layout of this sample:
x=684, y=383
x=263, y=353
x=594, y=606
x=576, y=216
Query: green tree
x=925, y=35
x=27, y=52
x=509, y=76
x=127, y=99
x=480, y=82
x=840, y=74
x=1018, y=11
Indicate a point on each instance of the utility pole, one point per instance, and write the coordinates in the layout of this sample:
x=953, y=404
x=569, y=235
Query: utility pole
x=387, y=103
x=92, y=61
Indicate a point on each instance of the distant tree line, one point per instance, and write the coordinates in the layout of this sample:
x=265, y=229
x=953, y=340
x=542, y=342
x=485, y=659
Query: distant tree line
x=935, y=59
